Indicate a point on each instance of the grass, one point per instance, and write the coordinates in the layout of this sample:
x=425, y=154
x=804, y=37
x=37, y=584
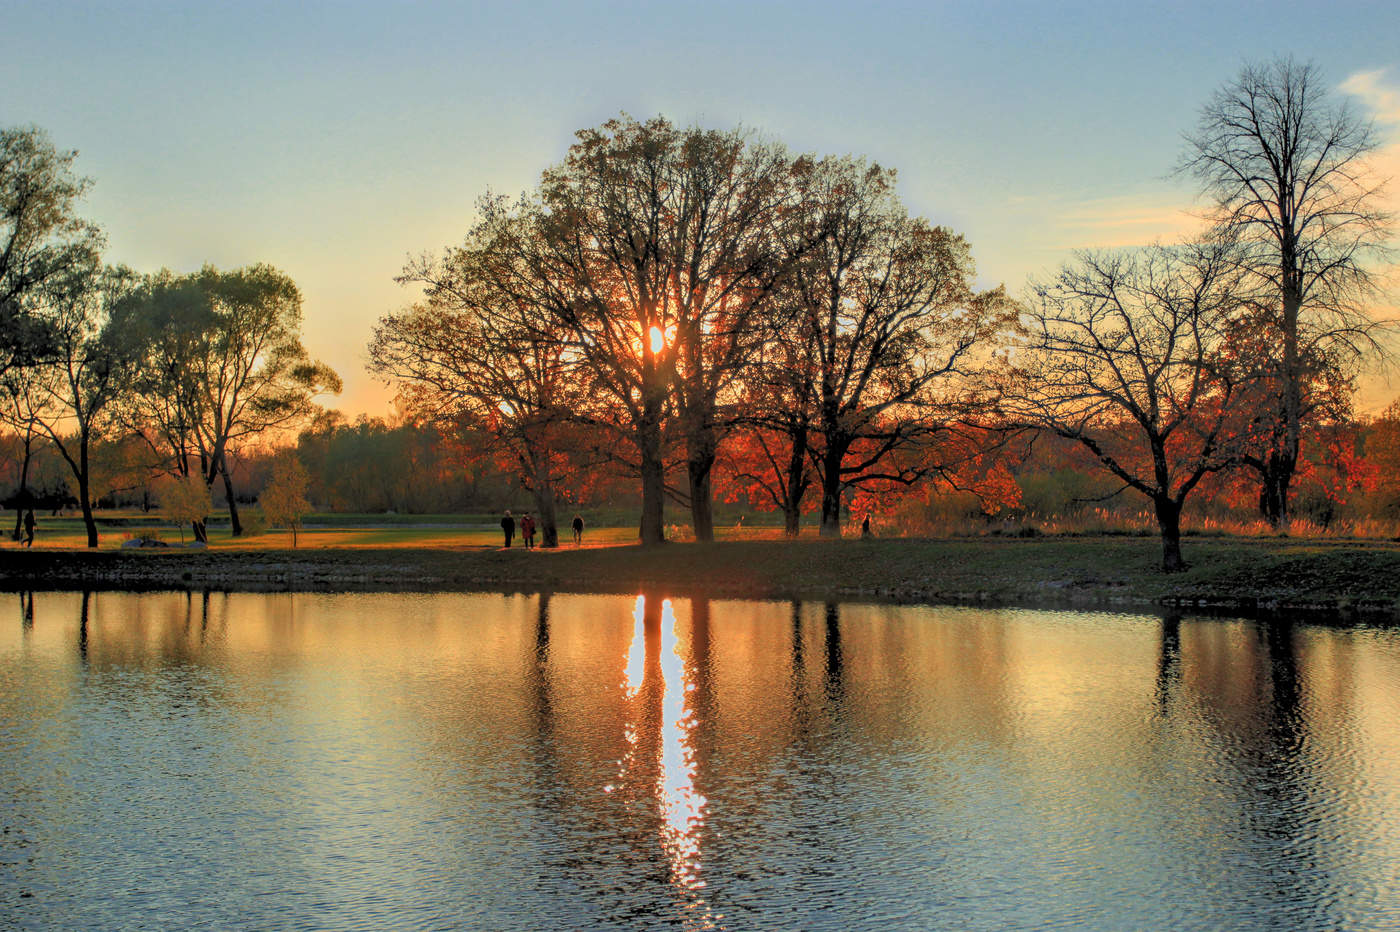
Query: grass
x=1339, y=578
x=333, y=531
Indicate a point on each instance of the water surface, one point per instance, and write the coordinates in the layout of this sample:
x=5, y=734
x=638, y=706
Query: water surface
x=590, y=762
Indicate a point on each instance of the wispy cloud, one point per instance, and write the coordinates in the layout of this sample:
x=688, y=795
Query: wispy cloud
x=1128, y=220
x=1379, y=93
x=1380, y=97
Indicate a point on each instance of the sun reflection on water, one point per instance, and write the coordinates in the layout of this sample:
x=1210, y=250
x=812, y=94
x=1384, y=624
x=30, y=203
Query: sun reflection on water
x=637, y=654
x=680, y=806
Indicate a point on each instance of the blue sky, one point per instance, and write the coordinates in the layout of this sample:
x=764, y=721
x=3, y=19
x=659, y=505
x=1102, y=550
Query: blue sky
x=335, y=139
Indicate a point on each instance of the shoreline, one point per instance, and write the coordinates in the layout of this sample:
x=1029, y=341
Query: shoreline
x=1338, y=582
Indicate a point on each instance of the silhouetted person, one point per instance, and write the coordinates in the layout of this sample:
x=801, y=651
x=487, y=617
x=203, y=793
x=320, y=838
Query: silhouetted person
x=578, y=530
x=865, y=526
x=508, y=527
x=527, y=530
x=29, y=525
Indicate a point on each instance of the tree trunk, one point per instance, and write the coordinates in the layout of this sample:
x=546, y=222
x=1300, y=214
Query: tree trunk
x=702, y=516
x=234, y=523
x=653, y=531
x=700, y=463
x=796, y=484
x=1275, y=478
x=831, y=490
x=792, y=520
x=542, y=489
x=22, y=498
x=1169, y=523
x=1286, y=460
x=84, y=499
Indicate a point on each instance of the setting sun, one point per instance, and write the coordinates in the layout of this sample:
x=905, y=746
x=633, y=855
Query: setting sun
x=658, y=340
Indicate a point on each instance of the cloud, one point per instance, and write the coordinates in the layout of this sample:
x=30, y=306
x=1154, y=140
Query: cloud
x=1379, y=97
x=1127, y=220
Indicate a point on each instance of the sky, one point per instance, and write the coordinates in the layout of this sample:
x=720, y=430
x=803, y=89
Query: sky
x=336, y=140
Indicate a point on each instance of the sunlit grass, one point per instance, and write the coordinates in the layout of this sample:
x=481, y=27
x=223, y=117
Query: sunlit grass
x=67, y=533
x=479, y=532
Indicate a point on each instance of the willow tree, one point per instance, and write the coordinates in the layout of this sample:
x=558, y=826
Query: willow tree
x=1285, y=169
x=893, y=327
x=222, y=361
x=42, y=239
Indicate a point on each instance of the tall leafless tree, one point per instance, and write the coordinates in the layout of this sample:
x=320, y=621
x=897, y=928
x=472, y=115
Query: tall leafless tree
x=1285, y=169
x=652, y=247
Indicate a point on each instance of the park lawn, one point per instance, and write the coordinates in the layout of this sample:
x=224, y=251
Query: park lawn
x=332, y=531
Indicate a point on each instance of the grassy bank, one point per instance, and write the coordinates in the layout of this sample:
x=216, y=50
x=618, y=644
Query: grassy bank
x=1345, y=579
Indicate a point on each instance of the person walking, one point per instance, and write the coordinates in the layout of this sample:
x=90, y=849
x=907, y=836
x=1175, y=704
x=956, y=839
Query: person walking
x=578, y=530
x=29, y=525
x=527, y=531
x=865, y=526
x=508, y=528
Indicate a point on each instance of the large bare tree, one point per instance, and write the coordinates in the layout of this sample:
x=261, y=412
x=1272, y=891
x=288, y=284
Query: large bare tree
x=890, y=321
x=652, y=249
x=1285, y=168
x=472, y=353
x=1128, y=354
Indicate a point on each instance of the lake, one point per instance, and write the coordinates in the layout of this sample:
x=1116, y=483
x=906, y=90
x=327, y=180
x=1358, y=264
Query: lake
x=489, y=761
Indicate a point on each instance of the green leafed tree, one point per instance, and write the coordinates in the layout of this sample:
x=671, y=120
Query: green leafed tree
x=42, y=239
x=86, y=372
x=220, y=362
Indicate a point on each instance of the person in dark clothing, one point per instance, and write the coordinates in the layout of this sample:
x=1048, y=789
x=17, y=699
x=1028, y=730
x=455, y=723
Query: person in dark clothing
x=527, y=530
x=29, y=524
x=578, y=530
x=865, y=527
x=508, y=527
